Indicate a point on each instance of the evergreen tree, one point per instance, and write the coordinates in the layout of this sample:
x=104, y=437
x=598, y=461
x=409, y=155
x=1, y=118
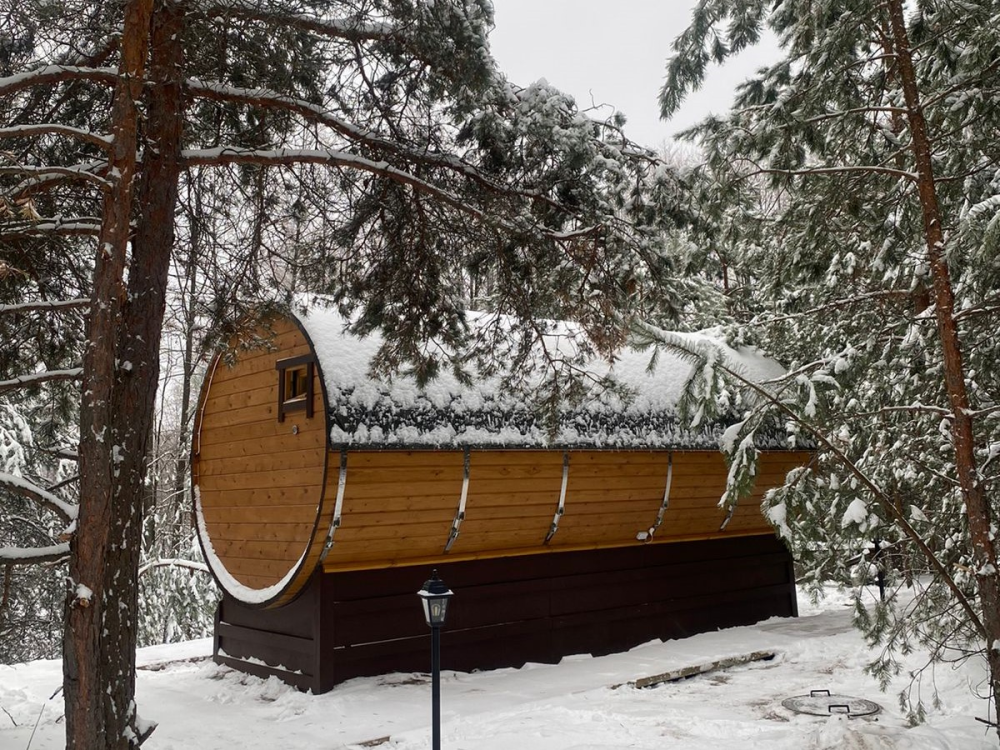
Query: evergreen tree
x=854, y=185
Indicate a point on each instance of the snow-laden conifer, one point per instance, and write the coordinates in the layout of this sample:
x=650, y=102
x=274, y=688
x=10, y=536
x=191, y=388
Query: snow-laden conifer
x=852, y=193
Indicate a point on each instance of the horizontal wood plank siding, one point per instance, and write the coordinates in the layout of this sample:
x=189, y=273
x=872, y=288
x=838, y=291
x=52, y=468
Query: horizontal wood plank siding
x=400, y=506
x=397, y=505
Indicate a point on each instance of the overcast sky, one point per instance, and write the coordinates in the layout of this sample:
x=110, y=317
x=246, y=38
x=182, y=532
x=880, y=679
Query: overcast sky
x=612, y=52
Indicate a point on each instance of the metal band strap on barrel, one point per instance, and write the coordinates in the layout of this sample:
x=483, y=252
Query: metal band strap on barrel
x=666, y=499
x=561, y=508
x=338, y=507
x=460, y=514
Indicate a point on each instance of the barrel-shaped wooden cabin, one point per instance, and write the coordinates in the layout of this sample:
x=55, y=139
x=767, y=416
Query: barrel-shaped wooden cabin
x=324, y=498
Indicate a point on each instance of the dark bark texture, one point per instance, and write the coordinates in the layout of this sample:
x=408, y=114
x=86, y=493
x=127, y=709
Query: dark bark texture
x=121, y=371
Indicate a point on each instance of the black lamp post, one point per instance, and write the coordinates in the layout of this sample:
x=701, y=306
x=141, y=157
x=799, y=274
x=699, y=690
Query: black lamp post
x=434, y=597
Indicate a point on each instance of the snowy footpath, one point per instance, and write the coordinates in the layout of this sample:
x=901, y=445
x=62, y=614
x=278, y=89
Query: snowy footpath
x=582, y=703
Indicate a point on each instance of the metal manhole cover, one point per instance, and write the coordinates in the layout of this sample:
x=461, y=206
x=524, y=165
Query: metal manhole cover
x=825, y=703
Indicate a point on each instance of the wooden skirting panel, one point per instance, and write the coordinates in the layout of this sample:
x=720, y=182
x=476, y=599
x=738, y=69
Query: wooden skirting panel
x=286, y=639
x=512, y=610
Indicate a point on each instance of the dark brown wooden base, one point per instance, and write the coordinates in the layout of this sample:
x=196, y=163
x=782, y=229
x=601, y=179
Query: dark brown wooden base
x=508, y=611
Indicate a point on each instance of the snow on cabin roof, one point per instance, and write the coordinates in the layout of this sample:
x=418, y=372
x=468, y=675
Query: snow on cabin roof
x=373, y=413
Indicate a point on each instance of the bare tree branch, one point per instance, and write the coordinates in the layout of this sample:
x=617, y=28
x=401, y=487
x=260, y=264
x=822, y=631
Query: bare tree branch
x=289, y=157
x=45, y=180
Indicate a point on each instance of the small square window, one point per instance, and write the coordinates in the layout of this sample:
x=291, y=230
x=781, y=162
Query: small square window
x=295, y=385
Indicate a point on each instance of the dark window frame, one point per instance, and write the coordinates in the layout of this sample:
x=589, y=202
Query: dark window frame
x=296, y=403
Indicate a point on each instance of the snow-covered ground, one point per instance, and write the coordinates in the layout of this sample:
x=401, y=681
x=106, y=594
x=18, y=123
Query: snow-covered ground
x=583, y=703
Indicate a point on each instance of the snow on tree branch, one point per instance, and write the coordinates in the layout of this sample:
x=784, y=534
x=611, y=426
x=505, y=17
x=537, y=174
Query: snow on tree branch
x=46, y=306
x=847, y=169
x=173, y=563
x=66, y=511
x=33, y=131
x=75, y=172
x=50, y=74
x=855, y=111
x=351, y=29
x=888, y=294
x=334, y=158
x=274, y=99
x=57, y=226
x=34, y=555
x=47, y=376
x=41, y=181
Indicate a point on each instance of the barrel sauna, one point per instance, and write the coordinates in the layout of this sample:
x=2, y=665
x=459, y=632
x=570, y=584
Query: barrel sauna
x=324, y=498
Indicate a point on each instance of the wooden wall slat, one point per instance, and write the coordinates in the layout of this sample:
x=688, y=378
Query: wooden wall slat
x=403, y=501
x=525, y=510
x=431, y=519
x=269, y=463
x=435, y=532
x=612, y=498
x=614, y=506
x=277, y=496
x=236, y=382
x=260, y=396
x=232, y=418
x=222, y=435
x=405, y=460
x=412, y=488
x=261, y=360
x=259, y=549
x=262, y=515
x=228, y=445
x=256, y=480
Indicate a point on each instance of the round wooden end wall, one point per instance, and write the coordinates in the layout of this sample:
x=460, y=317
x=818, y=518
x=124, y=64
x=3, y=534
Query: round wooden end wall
x=259, y=467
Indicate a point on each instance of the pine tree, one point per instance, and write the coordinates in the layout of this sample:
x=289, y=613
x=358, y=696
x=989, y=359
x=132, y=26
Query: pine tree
x=872, y=273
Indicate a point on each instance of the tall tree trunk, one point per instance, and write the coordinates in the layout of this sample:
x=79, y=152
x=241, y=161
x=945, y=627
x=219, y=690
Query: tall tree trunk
x=118, y=411
x=98, y=652
x=976, y=506
x=149, y=270
x=189, y=318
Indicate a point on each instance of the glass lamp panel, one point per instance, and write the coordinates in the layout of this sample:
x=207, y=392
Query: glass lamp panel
x=438, y=610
